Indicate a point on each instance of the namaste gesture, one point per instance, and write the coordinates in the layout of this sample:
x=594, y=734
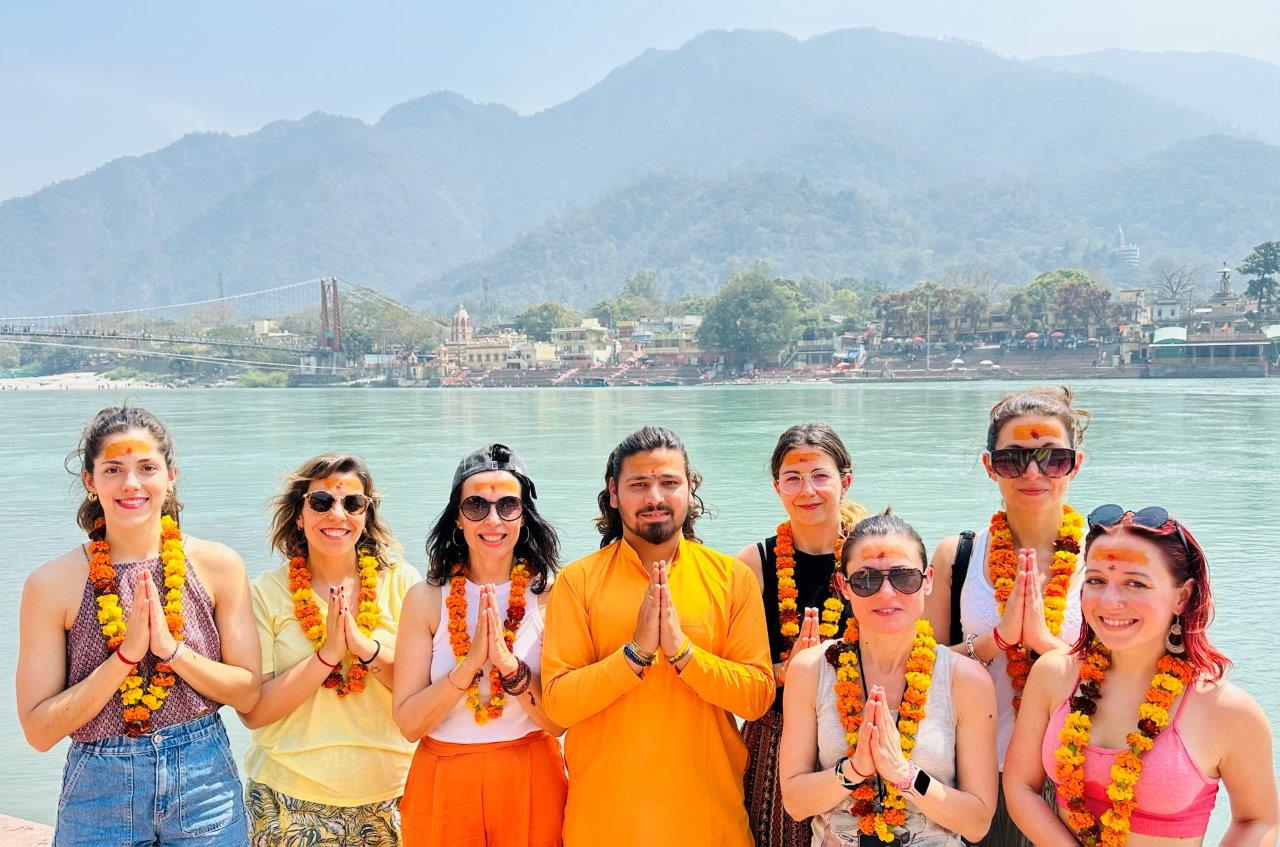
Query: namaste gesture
x=658, y=623
x=488, y=642
x=341, y=635
x=1023, y=619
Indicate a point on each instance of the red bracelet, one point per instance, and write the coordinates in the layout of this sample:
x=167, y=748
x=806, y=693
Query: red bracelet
x=862, y=776
x=120, y=656
x=1000, y=642
x=326, y=664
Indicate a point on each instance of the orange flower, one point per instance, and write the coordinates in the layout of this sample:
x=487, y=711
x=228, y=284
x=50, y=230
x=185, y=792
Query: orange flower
x=307, y=612
x=460, y=641
x=788, y=613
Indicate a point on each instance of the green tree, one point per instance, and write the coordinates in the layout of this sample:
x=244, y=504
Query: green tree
x=538, y=321
x=643, y=285
x=1263, y=265
x=752, y=318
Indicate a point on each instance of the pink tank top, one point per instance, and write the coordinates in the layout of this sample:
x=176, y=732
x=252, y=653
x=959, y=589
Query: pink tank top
x=1174, y=797
x=86, y=649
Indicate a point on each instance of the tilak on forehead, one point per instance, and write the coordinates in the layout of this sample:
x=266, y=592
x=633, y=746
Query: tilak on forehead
x=1123, y=555
x=126, y=447
x=1043, y=429
x=797, y=456
x=505, y=484
x=877, y=550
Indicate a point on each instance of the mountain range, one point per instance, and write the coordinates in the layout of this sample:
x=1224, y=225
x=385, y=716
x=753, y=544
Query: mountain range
x=854, y=153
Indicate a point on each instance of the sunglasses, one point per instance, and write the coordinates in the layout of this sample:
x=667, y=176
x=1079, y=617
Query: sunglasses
x=791, y=483
x=867, y=582
x=477, y=508
x=322, y=501
x=1152, y=517
x=1012, y=462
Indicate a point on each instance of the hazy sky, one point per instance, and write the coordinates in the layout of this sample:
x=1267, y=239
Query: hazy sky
x=82, y=83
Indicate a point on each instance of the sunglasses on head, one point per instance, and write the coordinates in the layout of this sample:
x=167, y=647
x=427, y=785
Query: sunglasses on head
x=1152, y=517
x=322, y=501
x=867, y=582
x=477, y=508
x=1053, y=462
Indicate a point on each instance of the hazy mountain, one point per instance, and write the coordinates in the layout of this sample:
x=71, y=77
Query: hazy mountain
x=1241, y=92
x=873, y=122
x=1214, y=197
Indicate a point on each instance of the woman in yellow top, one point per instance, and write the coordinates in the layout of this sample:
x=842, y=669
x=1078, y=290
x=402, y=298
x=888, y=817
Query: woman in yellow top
x=326, y=760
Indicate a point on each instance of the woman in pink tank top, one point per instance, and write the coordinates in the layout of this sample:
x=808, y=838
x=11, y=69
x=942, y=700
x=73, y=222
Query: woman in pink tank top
x=130, y=645
x=1135, y=726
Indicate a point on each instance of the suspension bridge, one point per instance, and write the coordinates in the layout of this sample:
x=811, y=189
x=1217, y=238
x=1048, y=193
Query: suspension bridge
x=295, y=328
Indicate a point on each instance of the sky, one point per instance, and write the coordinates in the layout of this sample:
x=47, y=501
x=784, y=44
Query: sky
x=83, y=83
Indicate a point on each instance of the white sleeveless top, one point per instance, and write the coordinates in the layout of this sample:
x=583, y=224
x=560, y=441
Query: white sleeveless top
x=935, y=753
x=979, y=616
x=459, y=726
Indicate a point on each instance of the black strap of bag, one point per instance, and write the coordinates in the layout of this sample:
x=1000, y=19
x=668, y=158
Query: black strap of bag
x=959, y=569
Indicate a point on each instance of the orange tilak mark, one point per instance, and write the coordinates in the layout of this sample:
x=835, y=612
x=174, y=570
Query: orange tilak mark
x=796, y=457
x=506, y=486
x=883, y=551
x=125, y=448
x=1124, y=555
x=1031, y=432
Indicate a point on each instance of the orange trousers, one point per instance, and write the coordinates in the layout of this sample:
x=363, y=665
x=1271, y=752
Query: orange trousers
x=501, y=794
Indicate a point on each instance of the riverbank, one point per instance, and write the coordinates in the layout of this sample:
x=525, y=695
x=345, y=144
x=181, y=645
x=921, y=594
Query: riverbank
x=16, y=832
x=73, y=381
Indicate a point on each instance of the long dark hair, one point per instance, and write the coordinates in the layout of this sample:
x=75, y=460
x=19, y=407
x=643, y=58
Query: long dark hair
x=1183, y=563
x=645, y=440
x=108, y=422
x=1048, y=402
x=289, y=540
x=537, y=543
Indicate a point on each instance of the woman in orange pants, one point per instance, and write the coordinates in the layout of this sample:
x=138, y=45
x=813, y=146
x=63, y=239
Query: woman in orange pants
x=487, y=771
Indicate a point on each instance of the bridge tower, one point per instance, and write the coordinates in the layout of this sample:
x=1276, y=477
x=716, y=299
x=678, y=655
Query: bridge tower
x=330, y=316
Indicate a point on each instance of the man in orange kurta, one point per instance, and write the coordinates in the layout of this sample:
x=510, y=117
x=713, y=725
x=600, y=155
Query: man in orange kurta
x=653, y=750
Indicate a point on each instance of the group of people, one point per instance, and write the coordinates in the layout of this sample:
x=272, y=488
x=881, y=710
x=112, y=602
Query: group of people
x=1047, y=679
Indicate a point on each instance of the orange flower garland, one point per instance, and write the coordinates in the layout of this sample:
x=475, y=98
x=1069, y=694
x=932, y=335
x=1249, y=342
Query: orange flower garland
x=843, y=656
x=141, y=698
x=456, y=603
x=1002, y=567
x=784, y=552
x=307, y=611
x=1172, y=676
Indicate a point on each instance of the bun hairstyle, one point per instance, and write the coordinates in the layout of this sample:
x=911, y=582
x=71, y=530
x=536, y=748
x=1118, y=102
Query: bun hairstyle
x=108, y=422
x=820, y=436
x=882, y=525
x=1045, y=402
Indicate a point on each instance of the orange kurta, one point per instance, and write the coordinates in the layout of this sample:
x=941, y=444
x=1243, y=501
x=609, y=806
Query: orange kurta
x=658, y=759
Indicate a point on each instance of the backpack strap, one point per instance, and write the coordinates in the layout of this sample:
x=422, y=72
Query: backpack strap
x=959, y=570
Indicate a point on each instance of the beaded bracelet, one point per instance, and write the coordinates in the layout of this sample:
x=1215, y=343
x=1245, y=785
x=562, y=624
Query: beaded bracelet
x=973, y=654
x=646, y=656
x=519, y=682
x=632, y=653
x=682, y=652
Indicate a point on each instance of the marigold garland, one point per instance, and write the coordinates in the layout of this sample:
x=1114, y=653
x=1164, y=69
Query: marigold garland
x=1172, y=676
x=843, y=656
x=1002, y=567
x=141, y=698
x=784, y=552
x=456, y=603
x=307, y=611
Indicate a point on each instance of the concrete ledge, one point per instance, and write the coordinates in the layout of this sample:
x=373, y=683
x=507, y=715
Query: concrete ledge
x=15, y=832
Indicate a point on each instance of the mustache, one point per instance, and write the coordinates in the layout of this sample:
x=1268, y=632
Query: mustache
x=656, y=510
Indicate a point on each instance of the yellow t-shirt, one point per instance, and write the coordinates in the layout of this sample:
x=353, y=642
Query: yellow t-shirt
x=656, y=759
x=336, y=751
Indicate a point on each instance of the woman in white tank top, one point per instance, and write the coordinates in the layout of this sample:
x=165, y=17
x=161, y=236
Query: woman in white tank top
x=902, y=730
x=1019, y=596
x=488, y=768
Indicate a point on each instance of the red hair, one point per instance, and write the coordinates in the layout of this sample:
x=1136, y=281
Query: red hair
x=1183, y=563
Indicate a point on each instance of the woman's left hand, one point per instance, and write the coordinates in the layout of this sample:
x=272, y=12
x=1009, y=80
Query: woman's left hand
x=1035, y=632
x=499, y=654
x=163, y=644
x=358, y=644
x=886, y=744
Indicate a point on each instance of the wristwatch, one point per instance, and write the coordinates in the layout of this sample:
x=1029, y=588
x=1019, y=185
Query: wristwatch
x=918, y=786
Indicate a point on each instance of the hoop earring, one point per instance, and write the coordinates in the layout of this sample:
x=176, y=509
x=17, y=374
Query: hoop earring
x=93, y=496
x=1174, y=642
x=453, y=537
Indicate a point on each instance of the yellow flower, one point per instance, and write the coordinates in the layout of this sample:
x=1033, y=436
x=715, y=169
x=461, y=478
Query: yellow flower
x=151, y=702
x=1158, y=714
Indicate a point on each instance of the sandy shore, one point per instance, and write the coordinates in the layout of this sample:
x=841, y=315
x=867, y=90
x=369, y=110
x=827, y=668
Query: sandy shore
x=75, y=381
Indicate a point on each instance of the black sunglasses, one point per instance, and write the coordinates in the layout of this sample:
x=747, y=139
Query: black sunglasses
x=322, y=501
x=477, y=508
x=1152, y=517
x=867, y=582
x=1012, y=462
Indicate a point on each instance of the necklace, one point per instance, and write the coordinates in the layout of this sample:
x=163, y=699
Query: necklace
x=1172, y=676
x=461, y=641
x=784, y=552
x=880, y=819
x=1002, y=567
x=307, y=611
x=140, y=697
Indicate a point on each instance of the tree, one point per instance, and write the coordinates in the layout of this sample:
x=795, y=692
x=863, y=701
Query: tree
x=752, y=318
x=538, y=321
x=1173, y=280
x=1263, y=265
x=642, y=285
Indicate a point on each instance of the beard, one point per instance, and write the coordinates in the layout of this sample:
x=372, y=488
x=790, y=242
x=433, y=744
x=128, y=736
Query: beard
x=652, y=532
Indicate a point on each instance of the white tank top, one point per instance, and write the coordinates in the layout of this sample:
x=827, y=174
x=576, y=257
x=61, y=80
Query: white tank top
x=459, y=726
x=979, y=616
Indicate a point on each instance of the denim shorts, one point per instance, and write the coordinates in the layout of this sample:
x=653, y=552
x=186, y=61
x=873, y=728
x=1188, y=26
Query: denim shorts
x=176, y=786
